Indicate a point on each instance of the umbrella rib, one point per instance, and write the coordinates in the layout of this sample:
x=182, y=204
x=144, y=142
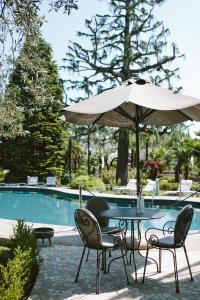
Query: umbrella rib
x=97, y=119
x=122, y=112
x=182, y=113
x=147, y=113
x=151, y=111
x=126, y=115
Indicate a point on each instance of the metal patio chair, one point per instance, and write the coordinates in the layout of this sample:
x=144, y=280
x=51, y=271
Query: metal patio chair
x=96, y=205
x=174, y=239
x=93, y=238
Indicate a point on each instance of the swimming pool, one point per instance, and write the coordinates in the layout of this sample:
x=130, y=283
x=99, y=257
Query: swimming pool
x=42, y=207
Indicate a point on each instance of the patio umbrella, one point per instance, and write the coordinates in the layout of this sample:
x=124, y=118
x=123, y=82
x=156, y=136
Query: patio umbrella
x=135, y=101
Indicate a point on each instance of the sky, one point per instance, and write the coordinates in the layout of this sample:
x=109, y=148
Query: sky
x=180, y=16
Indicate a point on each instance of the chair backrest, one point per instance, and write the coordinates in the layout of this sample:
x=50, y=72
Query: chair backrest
x=51, y=180
x=32, y=180
x=182, y=225
x=97, y=205
x=132, y=184
x=185, y=185
x=88, y=228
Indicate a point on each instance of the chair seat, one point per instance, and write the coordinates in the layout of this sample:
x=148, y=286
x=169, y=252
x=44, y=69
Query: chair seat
x=109, y=241
x=165, y=242
x=110, y=230
x=129, y=244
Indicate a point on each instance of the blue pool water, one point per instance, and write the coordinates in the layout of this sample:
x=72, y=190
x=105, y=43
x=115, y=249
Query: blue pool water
x=55, y=209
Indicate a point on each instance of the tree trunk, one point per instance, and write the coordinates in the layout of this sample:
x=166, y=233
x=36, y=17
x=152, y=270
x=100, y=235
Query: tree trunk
x=100, y=166
x=186, y=171
x=132, y=159
x=122, y=161
x=70, y=157
x=177, y=171
x=147, y=149
x=106, y=162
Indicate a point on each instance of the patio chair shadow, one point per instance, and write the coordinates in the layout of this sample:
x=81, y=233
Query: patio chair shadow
x=165, y=279
x=60, y=263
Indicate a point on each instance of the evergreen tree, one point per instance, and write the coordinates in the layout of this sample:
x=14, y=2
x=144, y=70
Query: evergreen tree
x=126, y=42
x=35, y=88
x=19, y=20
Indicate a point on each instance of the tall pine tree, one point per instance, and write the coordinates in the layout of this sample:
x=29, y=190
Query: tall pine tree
x=126, y=42
x=35, y=88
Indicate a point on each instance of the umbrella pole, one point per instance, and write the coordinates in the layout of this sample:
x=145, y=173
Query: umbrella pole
x=137, y=149
x=80, y=196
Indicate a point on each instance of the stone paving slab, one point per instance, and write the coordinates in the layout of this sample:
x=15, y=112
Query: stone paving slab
x=58, y=269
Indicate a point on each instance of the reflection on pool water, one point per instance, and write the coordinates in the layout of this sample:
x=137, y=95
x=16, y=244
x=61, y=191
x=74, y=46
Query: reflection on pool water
x=55, y=209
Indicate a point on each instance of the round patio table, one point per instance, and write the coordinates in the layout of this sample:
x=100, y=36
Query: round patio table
x=131, y=214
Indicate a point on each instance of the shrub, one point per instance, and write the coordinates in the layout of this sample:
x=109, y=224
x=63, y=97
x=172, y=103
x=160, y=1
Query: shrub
x=88, y=182
x=109, y=177
x=153, y=168
x=3, y=174
x=5, y=255
x=132, y=174
x=15, y=277
x=164, y=184
x=168, y=185
x=18, y=276
x=24, y=237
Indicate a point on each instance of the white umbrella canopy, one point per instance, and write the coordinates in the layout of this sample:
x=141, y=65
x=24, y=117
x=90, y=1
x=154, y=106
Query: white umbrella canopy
x=135, y=101
x=117, y=107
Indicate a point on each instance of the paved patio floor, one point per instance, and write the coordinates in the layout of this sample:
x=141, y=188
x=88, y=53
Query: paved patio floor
x=60, y=262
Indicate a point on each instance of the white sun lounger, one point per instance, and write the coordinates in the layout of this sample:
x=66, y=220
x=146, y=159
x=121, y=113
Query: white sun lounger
x=184, y=188
x=51, y=181
x=32, y=180
x=150, y=187
x=131, y=187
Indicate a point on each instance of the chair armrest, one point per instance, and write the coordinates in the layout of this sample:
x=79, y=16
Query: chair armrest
x=151, y=234
x=123, y=225
x=170, y=229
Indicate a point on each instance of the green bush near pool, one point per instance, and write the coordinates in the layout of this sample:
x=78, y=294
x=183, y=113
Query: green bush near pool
x=88, y=182
x=168, y=185
x=19, y=264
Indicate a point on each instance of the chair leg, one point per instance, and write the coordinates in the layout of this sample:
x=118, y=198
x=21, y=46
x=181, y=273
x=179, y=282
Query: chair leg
x=122, y=252
x=103, y=262
x=160, y=259
x=79, y=267
x=176, y=271
x=188, y=263
x=145, y=264
x=87, y=255
x=98, y=272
